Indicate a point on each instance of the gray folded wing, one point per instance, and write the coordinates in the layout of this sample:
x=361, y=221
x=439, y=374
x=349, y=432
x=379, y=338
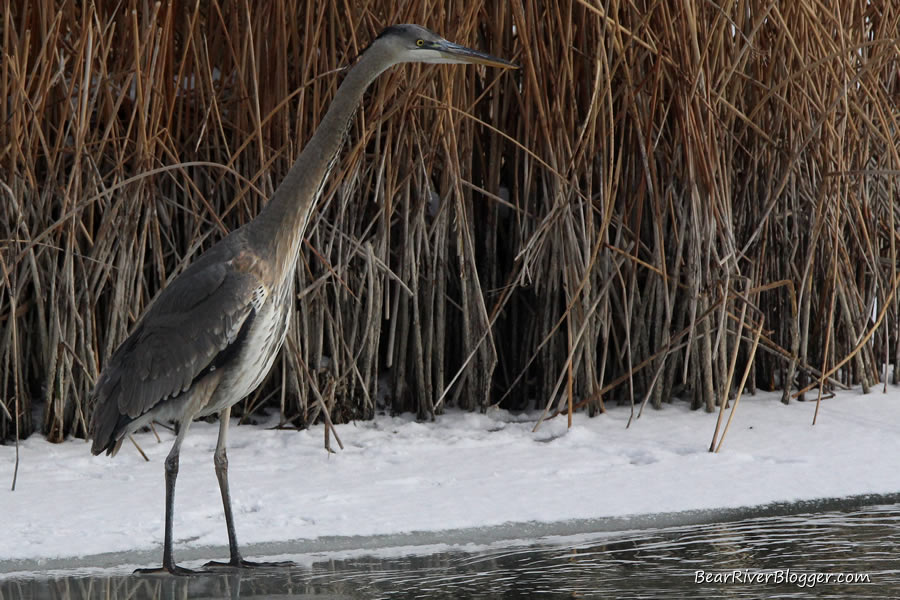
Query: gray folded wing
x=194, y=320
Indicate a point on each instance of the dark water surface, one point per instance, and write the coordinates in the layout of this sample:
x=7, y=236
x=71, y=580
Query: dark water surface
x=789, y=550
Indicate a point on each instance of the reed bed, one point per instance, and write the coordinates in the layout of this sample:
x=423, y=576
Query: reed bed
x=667, y=196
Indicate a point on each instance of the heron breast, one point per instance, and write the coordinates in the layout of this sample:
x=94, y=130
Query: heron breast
x=256, y=357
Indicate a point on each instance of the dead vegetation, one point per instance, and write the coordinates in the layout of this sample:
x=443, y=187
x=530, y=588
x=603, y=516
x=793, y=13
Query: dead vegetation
x=660, y=185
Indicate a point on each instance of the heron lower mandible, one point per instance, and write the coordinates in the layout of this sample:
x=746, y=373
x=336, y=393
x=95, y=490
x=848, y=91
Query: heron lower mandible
x=211, y=336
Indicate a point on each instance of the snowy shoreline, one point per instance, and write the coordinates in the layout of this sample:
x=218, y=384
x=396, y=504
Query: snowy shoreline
x=468, y=478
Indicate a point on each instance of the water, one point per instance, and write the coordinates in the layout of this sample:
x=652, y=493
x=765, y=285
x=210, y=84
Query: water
x=654, y=563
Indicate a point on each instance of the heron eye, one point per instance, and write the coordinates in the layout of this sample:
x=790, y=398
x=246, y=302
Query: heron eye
x=420, y=43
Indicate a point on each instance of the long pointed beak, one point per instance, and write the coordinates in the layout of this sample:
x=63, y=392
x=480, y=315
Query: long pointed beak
x=456, y=53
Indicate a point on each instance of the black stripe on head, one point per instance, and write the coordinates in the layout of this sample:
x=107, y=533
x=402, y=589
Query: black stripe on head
x=392, y=30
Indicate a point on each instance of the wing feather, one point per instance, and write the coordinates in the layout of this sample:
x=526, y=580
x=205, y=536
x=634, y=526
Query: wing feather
x=193, y=320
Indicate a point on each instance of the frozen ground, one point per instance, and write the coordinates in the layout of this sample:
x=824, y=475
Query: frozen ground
x=464, y=472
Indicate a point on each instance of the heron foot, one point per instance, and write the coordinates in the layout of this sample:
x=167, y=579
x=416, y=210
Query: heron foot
x=172, y=569
x=240, y=563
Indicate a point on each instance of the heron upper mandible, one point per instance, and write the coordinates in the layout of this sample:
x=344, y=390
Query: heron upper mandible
x=211, y=336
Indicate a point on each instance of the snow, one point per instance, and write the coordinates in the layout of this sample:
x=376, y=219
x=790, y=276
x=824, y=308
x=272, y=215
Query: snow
x=464, y=471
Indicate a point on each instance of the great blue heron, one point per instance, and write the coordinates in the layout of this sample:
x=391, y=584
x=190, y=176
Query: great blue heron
x=212, y=334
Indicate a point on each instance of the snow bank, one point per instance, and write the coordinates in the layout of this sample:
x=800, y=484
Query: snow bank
x=466, y=470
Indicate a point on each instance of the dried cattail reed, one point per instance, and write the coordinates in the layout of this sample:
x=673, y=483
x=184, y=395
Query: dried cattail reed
x=612, y=223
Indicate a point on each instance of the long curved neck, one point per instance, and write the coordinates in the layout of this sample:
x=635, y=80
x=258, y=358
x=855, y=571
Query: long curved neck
x=281, y=224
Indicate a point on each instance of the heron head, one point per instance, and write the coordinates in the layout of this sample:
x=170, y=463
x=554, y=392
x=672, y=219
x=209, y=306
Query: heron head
x=414, y=43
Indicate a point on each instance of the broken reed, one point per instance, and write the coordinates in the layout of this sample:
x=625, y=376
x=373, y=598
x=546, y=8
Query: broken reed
x=659, y=183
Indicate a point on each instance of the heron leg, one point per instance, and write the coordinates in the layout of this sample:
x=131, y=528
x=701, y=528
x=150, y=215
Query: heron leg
x=171, y=474
x=220, y=458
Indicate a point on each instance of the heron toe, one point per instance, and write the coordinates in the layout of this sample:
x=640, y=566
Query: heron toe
x=167, y=570
x=240, y=563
